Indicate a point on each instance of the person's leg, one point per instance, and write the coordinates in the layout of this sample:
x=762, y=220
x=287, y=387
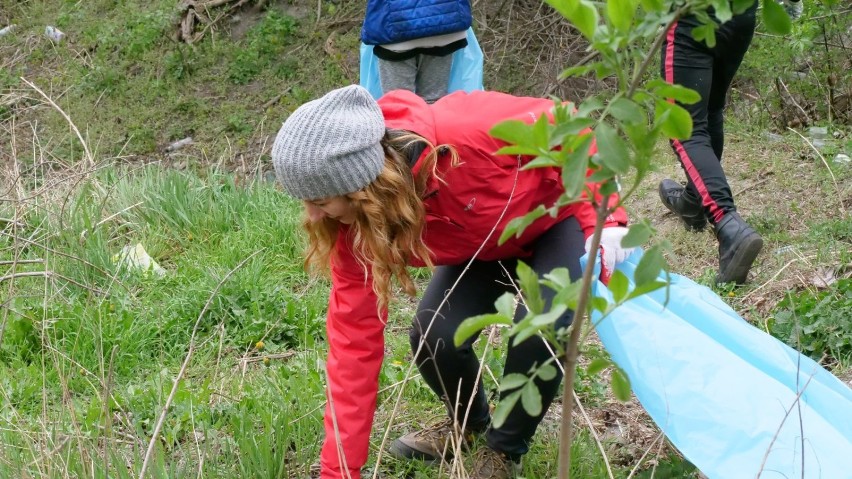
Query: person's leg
x=433, y=76
x=560, y=247
x=450, y=371
x=739, y=244
x=398, y=75
x=732, y=42
x=689, y=63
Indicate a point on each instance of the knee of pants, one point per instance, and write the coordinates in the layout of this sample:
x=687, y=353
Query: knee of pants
x=437, y=340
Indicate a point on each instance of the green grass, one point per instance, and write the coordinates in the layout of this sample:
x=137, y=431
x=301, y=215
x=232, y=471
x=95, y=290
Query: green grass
x=89, y=353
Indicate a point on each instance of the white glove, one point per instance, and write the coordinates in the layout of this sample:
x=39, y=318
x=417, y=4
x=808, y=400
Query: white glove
x=792, y=7
x=612, y=253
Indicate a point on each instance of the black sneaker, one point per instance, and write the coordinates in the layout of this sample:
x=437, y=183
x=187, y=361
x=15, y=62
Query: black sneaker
x=683, y=204
x=739, y=245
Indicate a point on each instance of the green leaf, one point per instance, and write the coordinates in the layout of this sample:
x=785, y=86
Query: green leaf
x=504, y=407
x=571, y=127
x=620, y=385
x=723, y=11
x=528, y=280
x=679, y=93
x=599, y=304
x=549, y=317
x=513, y=381
x=531, y=399
x=652, y=6
x=523, y=150
x=581, y=13
x=515, y=132
x=739, y=6
x=576, y=71
x=674, y=120
x=618, y=284
x=558, y=278
x=540, y=162
x=589, y=105
x=776, y=18
x=637, y=234
x=517, y=226
x=546, y=372
x=568, y=295
x=646, y=288
x=525, y=332
x=505, y=304
x=474, y=325
x=649, y=266
x=574, y=169
x=626, y=110
x=598, y=365
x=621, y=13
x=612, y=150
x=705, y=33
x=540, y=132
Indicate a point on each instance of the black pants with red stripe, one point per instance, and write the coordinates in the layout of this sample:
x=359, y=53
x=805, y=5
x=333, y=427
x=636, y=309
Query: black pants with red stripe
x=709, y=71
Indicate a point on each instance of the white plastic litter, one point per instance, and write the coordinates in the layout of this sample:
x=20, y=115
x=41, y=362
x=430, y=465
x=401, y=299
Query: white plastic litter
x=179, y=144
x=7, y=29
x=53, y=33
x=135, y=257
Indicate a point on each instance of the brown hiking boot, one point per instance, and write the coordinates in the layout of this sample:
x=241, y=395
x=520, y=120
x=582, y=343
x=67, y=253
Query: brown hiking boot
x=433, y=444
x=491, y=464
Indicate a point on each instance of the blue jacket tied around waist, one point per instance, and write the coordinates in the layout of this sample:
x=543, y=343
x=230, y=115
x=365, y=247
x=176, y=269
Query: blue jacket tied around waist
x=394, y=21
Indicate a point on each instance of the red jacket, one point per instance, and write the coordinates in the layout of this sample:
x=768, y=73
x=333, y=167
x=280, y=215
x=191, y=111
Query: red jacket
x=461, y=212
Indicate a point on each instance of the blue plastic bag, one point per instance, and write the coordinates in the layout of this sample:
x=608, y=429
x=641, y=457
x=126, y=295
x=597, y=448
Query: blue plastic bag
x=723, y=391
x=465, y=74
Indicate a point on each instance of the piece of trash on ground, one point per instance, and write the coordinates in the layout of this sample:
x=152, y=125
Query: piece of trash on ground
x=818, y=132
x=179, y=144
x=7, y=29
x=136, y=258
x=54, y=33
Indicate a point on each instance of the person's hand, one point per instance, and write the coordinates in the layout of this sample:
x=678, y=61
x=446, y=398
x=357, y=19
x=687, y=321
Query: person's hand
x=612, y=253
x=792, y=7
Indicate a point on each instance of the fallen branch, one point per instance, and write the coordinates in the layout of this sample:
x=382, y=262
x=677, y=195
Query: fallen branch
x=49, y=274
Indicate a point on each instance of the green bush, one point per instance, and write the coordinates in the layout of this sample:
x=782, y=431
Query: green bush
x=817, y=323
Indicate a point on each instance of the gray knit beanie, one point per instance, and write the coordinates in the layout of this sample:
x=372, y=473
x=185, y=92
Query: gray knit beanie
x=330, y=146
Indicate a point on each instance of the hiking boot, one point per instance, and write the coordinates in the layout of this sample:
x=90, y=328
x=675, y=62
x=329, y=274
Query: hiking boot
x=683, y=204
x=491, y=464
x=739, y=245
x=433, y=444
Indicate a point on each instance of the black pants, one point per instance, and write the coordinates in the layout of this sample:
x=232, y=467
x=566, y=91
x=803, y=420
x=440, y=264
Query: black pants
x=709, y=71
x=451, y=372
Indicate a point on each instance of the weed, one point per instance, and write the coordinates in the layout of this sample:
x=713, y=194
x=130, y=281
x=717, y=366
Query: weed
x=263, y=45
x=817, y=323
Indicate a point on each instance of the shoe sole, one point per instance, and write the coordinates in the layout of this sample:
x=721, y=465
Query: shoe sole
x=697, y=226
x=742, y=261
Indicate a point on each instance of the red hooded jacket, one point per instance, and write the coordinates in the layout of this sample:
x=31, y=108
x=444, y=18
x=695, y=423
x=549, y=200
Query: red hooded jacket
x=485, y=190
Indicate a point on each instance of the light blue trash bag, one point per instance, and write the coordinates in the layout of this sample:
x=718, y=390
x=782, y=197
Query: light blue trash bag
x=465, y=74
x=724, y=392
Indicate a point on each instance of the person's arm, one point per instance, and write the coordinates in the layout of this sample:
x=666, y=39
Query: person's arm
x=355, y=331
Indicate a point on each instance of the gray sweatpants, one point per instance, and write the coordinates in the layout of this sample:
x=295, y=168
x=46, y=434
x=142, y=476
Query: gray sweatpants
x=425, y=75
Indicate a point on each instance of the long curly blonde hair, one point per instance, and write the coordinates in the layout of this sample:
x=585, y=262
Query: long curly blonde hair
x=389, y=220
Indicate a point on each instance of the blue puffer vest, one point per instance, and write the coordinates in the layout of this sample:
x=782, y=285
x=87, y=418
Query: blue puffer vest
x=393, y=21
